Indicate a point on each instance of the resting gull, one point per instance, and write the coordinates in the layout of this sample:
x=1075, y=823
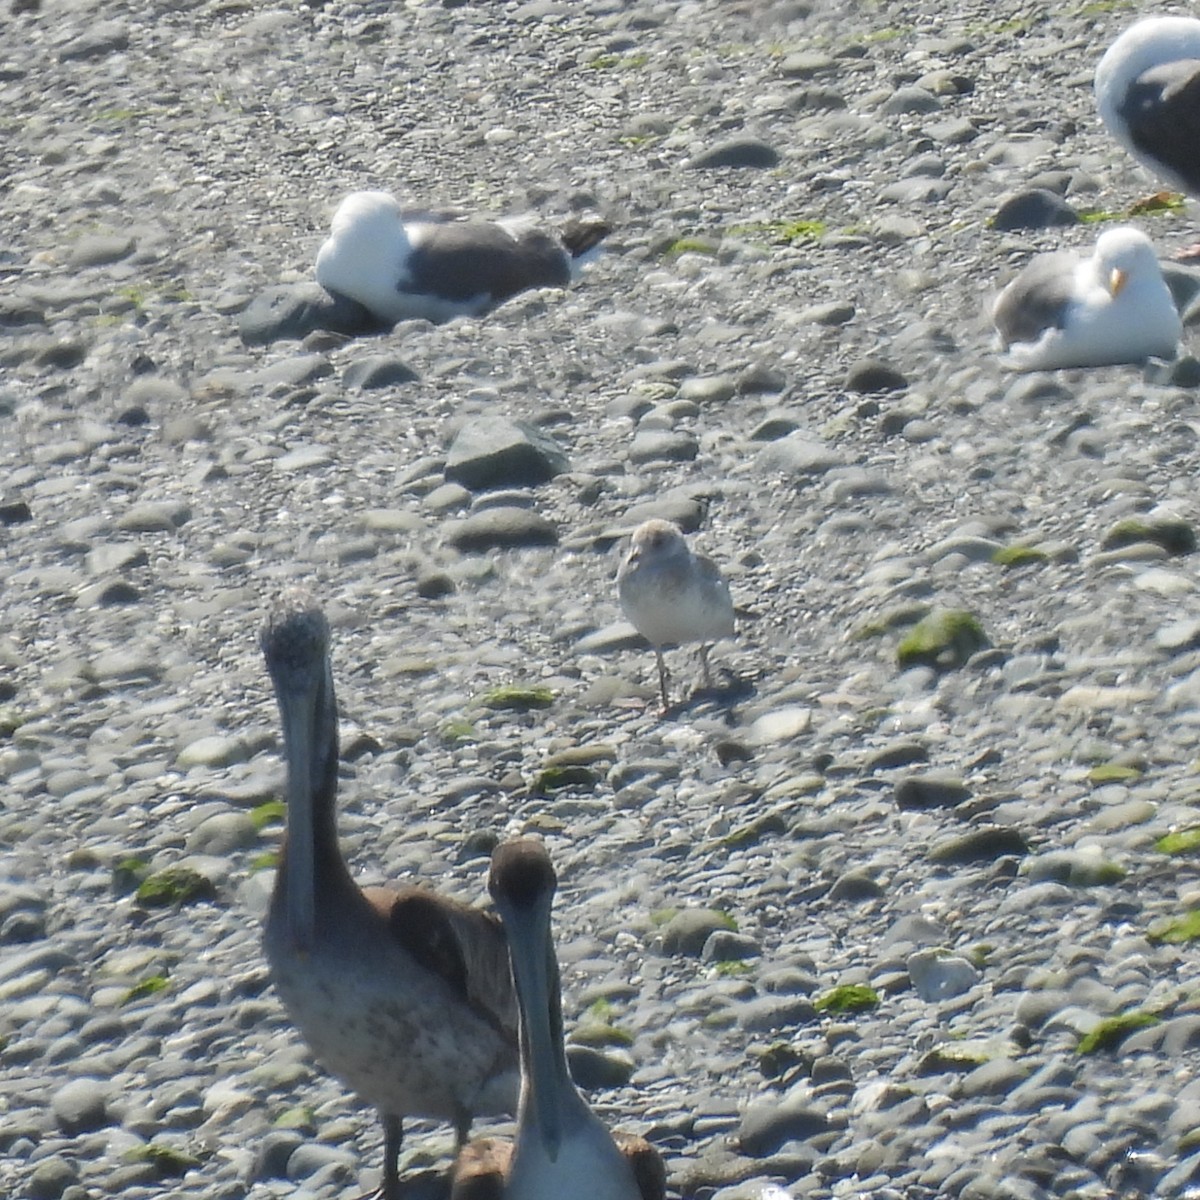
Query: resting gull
x=421, y=264
x=1115, y=307
x=1148, y=92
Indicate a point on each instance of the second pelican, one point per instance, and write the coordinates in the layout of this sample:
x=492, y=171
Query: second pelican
x=562, y=1148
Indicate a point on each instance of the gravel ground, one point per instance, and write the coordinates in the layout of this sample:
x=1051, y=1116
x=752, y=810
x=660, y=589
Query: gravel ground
x=792, y=358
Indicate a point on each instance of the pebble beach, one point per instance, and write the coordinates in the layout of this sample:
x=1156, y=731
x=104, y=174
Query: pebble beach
x=905, y=905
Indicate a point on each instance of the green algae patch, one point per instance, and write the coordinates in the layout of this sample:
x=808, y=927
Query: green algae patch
x=299, y=1117
x=1113, y=773
x=899, y=617
x=554, y=779
x=781, y=233
x=174, y=886
x=849, y=998
x=457, y=731
x=1176, y=931
x=777, y=1059
x=617, y=62
x=1112, y=1031
x=128, y=874
x=690, y=245
x=272, y=812
x=517, y=698
x=1175, y=536
x=1019, y=555
x=1180, y=841
x=599, y=1036
x=945, y=639
x=954, y=1056
x=166, y=1160
x=144, y=988
x=268, y=860
x=754, y=831
x=732, y=968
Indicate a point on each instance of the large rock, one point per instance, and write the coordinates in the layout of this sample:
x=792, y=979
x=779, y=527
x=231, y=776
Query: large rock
x=296, y=310
x=494, y=452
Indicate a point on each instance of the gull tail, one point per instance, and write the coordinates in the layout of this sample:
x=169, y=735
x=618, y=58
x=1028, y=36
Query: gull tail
x=581, y=235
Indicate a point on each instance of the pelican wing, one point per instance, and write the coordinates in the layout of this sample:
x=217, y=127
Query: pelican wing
x=463, y=945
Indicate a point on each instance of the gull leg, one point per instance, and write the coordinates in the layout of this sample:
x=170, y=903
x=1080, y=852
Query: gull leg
x=393, y=1135
x=462, y=1129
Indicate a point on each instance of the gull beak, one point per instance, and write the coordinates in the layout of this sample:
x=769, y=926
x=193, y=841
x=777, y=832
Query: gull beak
x=1116, y=281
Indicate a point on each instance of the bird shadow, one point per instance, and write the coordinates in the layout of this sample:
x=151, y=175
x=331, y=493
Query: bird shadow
x=730, y=690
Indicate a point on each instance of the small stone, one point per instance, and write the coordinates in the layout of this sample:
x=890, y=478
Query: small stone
x=434, y=585
x=303, y=458
x=663, y=445
x=871, y=375
x=103, y=38
x=50, y=1178
x=957, y=131
x=807, y=65
x=60, y=354
x=81, y=1105
x=760, y=379
x=902, y=754
x=687, y=932
x=155, y=516
x=781, y=725
x=723, y=945
x=378, y=371
x=916, y=190
x=854, y=887
x=799, y=455
x=219, y=750
x=592, y=1068
x=708, y=389
x=222, y=833
x=15, y=512
x=911, y=100
x=99, y=249
x=833, y=312
x=1179, y=636
x=738, y=153
x=937, y=977
x=918, y=792
x=765, y=1127
x=981, y=845
x=1033, y=209
x=506, y=527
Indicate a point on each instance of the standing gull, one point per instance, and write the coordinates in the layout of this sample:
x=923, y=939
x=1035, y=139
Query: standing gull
x=1148, y=92
x=1114, y=307
x=405, y=995
x=562, y=1149
x=673, y=596
x=420, y=264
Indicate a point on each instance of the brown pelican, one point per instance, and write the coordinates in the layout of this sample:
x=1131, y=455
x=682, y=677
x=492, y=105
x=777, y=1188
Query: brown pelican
x=562, y=1150
x=672, y=595
x=404, y=264
x=405, y=995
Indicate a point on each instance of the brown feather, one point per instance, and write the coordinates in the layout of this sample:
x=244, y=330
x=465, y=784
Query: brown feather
x=464, y=946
